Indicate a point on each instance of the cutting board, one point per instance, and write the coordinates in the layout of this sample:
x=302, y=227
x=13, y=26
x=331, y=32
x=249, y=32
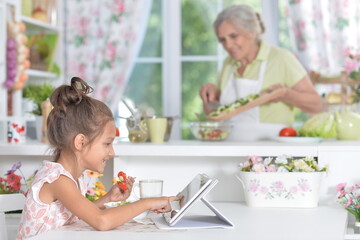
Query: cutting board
x=263, y=98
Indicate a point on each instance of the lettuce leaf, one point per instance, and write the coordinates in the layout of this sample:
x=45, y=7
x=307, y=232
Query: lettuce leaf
x=320, y=125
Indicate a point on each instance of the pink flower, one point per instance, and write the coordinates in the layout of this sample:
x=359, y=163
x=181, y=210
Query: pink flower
x=304, y=186
x=348, y=203
x=90, y=191
x=293, y=189
x=340, y=187
x=255, y=159
x=264, y=190
x=244, y=164
x=279, y=185
x=350, y=65
x=253, y=186
x=259, y=167
x=271, y=168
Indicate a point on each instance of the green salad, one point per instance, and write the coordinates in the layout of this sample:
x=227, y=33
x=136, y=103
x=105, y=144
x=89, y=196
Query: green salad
x=225, y=109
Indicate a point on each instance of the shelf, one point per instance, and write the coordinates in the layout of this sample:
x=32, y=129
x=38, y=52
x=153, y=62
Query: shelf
x=34, y=26
x=41, y=74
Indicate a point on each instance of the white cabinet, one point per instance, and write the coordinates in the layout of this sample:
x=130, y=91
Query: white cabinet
x=11, y=9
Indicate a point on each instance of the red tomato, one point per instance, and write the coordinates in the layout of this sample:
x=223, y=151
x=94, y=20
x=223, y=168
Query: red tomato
x=288, y=132
x=122, y=174
x=122, y=184
x=117, y=132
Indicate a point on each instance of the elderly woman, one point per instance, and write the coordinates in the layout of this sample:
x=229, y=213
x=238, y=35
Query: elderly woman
x=254, y=66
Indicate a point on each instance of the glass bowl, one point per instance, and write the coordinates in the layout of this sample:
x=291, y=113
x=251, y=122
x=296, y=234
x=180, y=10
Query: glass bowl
x=210, y=131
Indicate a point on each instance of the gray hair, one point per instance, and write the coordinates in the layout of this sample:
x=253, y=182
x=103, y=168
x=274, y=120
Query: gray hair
x=243, y=17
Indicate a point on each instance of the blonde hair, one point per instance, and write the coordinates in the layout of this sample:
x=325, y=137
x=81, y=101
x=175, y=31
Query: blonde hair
x=243, y=17
x=74, y=112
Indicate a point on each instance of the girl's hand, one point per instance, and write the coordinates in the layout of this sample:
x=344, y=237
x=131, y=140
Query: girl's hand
x=162, y=204
x=116, y=194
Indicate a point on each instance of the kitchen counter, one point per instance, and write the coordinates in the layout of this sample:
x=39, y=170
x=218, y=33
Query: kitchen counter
x=199, y=148
x=321, y=223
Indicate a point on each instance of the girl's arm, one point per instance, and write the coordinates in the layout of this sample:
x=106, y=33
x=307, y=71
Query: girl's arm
x=66, y=191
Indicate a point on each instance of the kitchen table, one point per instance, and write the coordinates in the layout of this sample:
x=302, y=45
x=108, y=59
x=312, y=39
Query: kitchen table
x=325, y=222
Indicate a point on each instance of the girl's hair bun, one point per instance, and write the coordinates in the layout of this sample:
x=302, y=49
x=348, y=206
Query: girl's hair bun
x=66, y=95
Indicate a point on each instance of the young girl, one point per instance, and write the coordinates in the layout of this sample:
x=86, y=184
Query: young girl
x=81, y=131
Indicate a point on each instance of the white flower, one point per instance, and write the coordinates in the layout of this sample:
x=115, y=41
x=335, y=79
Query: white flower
x=259, y=167
x=282, y=169
x=309, y=159
x=267, y=160
x=281, y=159
x=308, y=169
x=300, y=165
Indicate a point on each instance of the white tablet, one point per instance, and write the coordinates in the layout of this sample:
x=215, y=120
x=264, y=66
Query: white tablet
x=196, y=189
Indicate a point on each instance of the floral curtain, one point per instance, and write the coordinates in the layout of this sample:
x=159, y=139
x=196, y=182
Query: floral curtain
x=102, y=39
x=324, y=32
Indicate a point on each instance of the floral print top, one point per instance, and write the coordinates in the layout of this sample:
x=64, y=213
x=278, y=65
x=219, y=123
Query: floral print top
x=39, y=217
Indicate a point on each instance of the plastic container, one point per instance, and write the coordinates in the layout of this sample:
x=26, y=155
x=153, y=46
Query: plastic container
x=278, y=189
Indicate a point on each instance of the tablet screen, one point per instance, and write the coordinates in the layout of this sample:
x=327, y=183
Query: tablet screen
x=190, y=193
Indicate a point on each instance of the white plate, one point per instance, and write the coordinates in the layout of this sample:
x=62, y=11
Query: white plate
x=299, y=139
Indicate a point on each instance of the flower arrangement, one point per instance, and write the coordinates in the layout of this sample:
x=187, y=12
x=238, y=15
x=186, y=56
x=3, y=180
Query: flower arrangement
x=12, y=182
x=95, y=190
x=280, y=164
x=281, y=181
x=350, y=199
x=352, y=65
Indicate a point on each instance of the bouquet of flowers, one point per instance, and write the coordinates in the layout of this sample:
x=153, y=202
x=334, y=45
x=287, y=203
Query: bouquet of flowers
x=96, y=189
x=281, y=164
x=352, y=66
x=352, y=69
x=350, y=199
x=11, y=183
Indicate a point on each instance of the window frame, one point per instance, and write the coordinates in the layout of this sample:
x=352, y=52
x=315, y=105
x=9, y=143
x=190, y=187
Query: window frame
x=172, y=59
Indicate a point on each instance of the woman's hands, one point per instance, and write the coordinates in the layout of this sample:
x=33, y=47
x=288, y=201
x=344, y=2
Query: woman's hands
x=303, y=95
x=209, y=95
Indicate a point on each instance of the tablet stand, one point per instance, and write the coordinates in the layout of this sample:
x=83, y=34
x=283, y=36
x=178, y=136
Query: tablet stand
x=197, y=221
x=204, y=221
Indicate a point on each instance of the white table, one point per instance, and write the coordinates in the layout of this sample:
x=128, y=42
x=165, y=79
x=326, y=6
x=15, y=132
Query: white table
x=322, y=223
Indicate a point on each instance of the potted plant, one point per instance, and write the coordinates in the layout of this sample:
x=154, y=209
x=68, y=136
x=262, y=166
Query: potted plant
x=281, y=181
x=38, y=94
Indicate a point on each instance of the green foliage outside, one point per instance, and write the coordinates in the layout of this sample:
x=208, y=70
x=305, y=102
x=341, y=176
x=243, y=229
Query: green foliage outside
x=38, y=93
x=145, y=86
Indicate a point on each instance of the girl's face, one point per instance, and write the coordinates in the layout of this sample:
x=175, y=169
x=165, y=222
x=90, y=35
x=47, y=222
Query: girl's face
x=238, y=43
x=96, y=154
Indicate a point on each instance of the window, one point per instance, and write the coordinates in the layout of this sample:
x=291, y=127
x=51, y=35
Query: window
x=180, y=53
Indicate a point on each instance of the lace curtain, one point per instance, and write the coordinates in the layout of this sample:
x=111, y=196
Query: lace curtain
x=102, y=39
x=324, y=32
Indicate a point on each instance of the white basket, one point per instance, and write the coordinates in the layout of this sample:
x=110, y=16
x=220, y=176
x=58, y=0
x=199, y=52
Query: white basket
x=275, y=189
